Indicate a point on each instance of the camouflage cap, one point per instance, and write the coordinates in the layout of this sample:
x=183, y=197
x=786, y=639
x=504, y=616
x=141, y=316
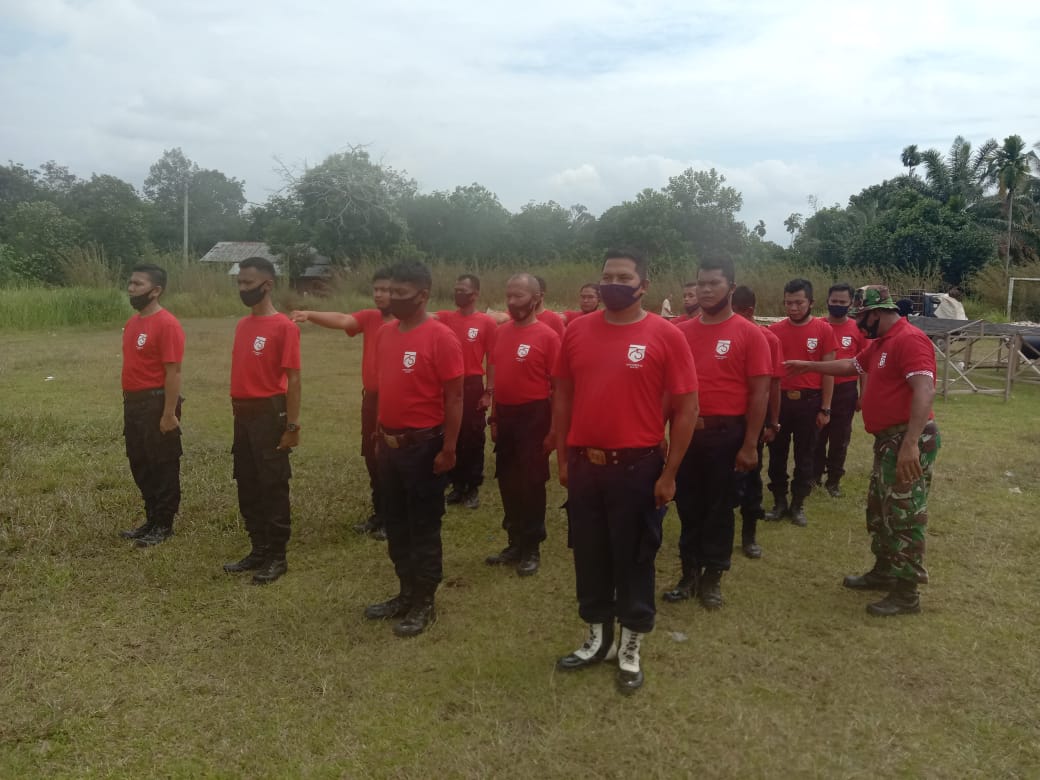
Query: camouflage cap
x=873, y=296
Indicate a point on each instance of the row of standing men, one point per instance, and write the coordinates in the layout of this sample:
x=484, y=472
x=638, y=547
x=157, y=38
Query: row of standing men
x=600, y=392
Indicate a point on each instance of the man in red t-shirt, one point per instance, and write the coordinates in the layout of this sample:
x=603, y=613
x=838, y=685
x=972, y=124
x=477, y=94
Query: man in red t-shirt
x=897, y=408
x=153, y=349
x=420, y=368
x=547, y=316
x=832, y=442
x=733, y=368
x=805, y=401
x=475, y=331
x=750, y=487
x=690, y=306
x=524, y=356
x=366, y=322
x=588, y=302
x=265, y=399
x=621, y=373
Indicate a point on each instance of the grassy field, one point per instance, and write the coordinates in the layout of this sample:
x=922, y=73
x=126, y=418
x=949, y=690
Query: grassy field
x=118, y=662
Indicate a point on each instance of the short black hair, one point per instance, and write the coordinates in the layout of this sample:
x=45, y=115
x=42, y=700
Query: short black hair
x=261, y=264
x=541, y=284
x=841, y=287
x=472, y=279
x=723, y=264
x=590, y=286
x=905, y=306
x=381, y=274
x=154, y=272
x=690, y=284
x=412, y=272
x=799, y=285
x=743, y=298
x=637, y=258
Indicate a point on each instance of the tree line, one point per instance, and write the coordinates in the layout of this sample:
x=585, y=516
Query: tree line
x=952, y=212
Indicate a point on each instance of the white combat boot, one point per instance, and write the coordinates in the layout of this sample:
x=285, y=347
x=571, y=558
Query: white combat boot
x=629, y=673
x=599, y=646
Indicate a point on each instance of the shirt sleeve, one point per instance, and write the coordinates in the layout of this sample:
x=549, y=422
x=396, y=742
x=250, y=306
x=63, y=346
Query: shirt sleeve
x=680, y=371
x=364, y=321
x=759, y=358
x=918, y=357
x=291, y=345
x=171, y=343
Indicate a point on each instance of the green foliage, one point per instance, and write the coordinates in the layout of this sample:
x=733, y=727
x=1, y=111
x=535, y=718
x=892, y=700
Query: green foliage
x=40, y=239
x=37, y=308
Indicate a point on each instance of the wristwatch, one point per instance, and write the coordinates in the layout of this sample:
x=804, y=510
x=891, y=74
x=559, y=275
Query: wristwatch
x=292, y=427
x=826, y=412
x=774, y=426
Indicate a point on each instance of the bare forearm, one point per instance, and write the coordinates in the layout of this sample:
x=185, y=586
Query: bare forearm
x=171, y=388
x=756, y=413
x=685, y=409
x=293, y=395
x=452, y=420
x=562, y=399
x=774, y=401
x=920, y=410
x=332, y=319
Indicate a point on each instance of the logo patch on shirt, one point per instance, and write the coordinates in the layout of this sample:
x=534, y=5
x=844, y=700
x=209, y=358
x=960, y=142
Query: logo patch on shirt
x=472, y=334
x=141, y=339
x=884, y=357
x=846, y=341
x=523, y=350
x=722, y=346
x=258, y=344
x=409, y=359
x=811, y=344
x=636, y=352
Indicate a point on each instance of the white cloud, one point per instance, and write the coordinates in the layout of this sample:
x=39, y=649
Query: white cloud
x=585, y=101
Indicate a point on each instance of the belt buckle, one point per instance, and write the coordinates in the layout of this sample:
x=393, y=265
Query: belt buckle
x=596, y=457
x=700, y=424
x=391, y=441
x=794, y=395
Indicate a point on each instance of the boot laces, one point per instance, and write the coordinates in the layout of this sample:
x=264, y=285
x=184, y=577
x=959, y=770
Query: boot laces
x=630, y=650
x=592, y=643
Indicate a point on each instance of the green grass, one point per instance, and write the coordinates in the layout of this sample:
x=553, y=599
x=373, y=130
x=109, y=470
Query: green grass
x=116, y=662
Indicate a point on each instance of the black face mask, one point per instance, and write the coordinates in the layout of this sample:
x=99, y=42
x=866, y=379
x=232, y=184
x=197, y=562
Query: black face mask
x=692, y=309
x=870, y=331
x=142, y=300
x=837, y=311
x=618, y=297
x=521, y=313
x=403, y=308
x=462, y=300
x=711, y=311
x=252, y=297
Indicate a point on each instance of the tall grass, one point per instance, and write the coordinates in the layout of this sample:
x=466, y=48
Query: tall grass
x=38, y=308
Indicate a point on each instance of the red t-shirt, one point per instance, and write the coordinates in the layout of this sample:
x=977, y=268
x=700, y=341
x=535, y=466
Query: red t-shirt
x=370, y=320
x=776, y=350
x=726, y=354
x=570, y=315
x=620, y=374
x=149, y=343
x=524, y=358
x=263, y=349
x=889, y=362
x=810, y=341
x=413, y=367
x=851, y=342
x=476, y=334
x=552, y=319
x=681, y=319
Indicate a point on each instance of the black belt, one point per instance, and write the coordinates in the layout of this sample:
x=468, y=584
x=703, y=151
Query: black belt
x=622, y=457
x=403, y=438
x=796, y=395
x=519, y=410
x=143, y=395
x=718, y=421
x=247, y=407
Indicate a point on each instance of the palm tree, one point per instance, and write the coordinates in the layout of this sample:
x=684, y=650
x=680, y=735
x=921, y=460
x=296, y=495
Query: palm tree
x=1011, y=167
x=911, y=158
x=959, y=178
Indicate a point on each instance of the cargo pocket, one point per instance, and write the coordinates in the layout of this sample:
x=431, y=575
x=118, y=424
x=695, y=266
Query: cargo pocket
x=274, y=465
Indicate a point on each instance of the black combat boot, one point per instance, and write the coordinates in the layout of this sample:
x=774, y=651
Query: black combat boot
x=779, y=510
x=877, y=578
x=833, y=489
x=709, y=589
x=798, y=517
x=395, y=607
x=509, y=556
x=686, y=587
x=903, y=600
x=421, y=615
x=599, y=646
x=471, y=500
x=137, y=533
x=751, y=548
x=159, y=533
x=256, y=558
x=530, y=562
x=456, y=495
x=273, y=568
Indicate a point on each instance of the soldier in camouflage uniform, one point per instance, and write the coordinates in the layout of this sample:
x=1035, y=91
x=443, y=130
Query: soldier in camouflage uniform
x=897, y=409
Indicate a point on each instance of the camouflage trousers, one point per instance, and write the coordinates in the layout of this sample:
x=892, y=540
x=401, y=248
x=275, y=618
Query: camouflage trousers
x=898, y=513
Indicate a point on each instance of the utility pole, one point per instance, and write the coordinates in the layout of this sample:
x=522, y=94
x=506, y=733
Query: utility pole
x=185, y=220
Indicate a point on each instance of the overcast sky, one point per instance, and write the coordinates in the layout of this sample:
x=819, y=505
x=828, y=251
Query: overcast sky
x=578, y=101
